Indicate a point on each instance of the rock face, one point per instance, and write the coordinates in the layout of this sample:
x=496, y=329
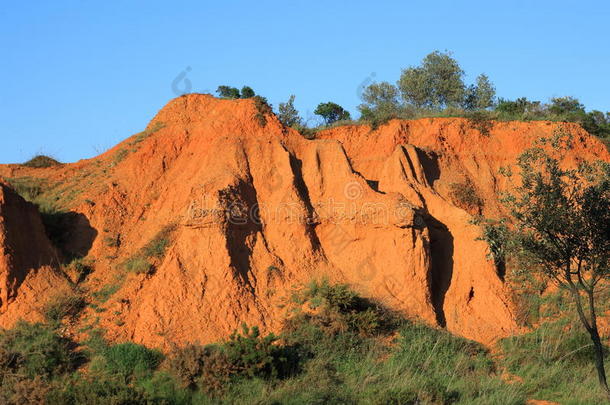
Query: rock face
x=28, y=262
x=251, y=208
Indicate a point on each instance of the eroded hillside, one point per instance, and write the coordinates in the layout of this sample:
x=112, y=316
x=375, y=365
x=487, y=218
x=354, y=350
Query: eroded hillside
x=211, y=215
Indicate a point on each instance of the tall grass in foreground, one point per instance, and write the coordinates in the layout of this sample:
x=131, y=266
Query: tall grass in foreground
x=555, y=363
x=336, y=348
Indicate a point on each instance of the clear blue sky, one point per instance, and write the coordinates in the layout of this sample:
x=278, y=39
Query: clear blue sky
x=77, y=77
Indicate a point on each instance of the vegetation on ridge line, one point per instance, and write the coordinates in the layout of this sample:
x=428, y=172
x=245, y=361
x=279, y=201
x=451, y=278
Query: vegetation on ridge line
x=41, y=161
x=436, y=88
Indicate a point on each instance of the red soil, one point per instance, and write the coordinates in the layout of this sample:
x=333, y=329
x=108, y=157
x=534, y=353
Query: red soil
x=373, y=209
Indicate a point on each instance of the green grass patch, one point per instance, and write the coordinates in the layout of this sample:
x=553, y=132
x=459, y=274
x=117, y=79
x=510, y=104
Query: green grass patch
x=555, y=363
x=137, y=264
x=146, y=133
x=52, y=201
x=64, y=304
x=108, y=290
x=129, y=361
x=119, y=156
x=154, y=250
x=29, y=188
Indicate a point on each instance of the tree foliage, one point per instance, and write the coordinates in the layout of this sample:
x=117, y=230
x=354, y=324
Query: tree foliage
x=247, y=92
x=481, y=95
x=228, y=92
x=380, y=102
x=437, y=83
x=567, y=109
x=331, y=112
x=234, y=93
x=563, y=106
x=561, y=228
x=518, y=107
x=288, y=114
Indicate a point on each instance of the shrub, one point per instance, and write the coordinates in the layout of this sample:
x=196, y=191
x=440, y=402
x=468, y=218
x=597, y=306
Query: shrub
x=62, y=305
x=520, y=109
x=482, y=94
x=234, y=93
x=162, y=388
x=339, y=310
x=217, y=373
x=94, y=390
x=338, y=296
x=306, y=132
x=18, y=390
x=210, y=370
x=380, y=104
x=263, y=108
x=481, y=121
x=465, y=196
x=41, y=161
x=96, y=343
x=597, y=123
x=188, y=363
x=253, y=355
x=566, y=107
x=245, y=355
x=130, y=361
x=34, y=349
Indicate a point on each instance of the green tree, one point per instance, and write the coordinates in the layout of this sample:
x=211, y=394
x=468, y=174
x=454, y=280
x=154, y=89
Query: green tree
x=331, y=112
x=516, y=109
x=597, y=123
x=378, y=94
x=381, y=103
x=561, y=229
x=228, y=92
x=415, y=87
x=247, y=92
x=437, y=83
x=566, y=107
x=288, y=114
x=485, y=92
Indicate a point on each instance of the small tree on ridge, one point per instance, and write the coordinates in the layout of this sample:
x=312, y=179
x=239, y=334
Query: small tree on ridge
x=288, y=114
x=331, y=112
